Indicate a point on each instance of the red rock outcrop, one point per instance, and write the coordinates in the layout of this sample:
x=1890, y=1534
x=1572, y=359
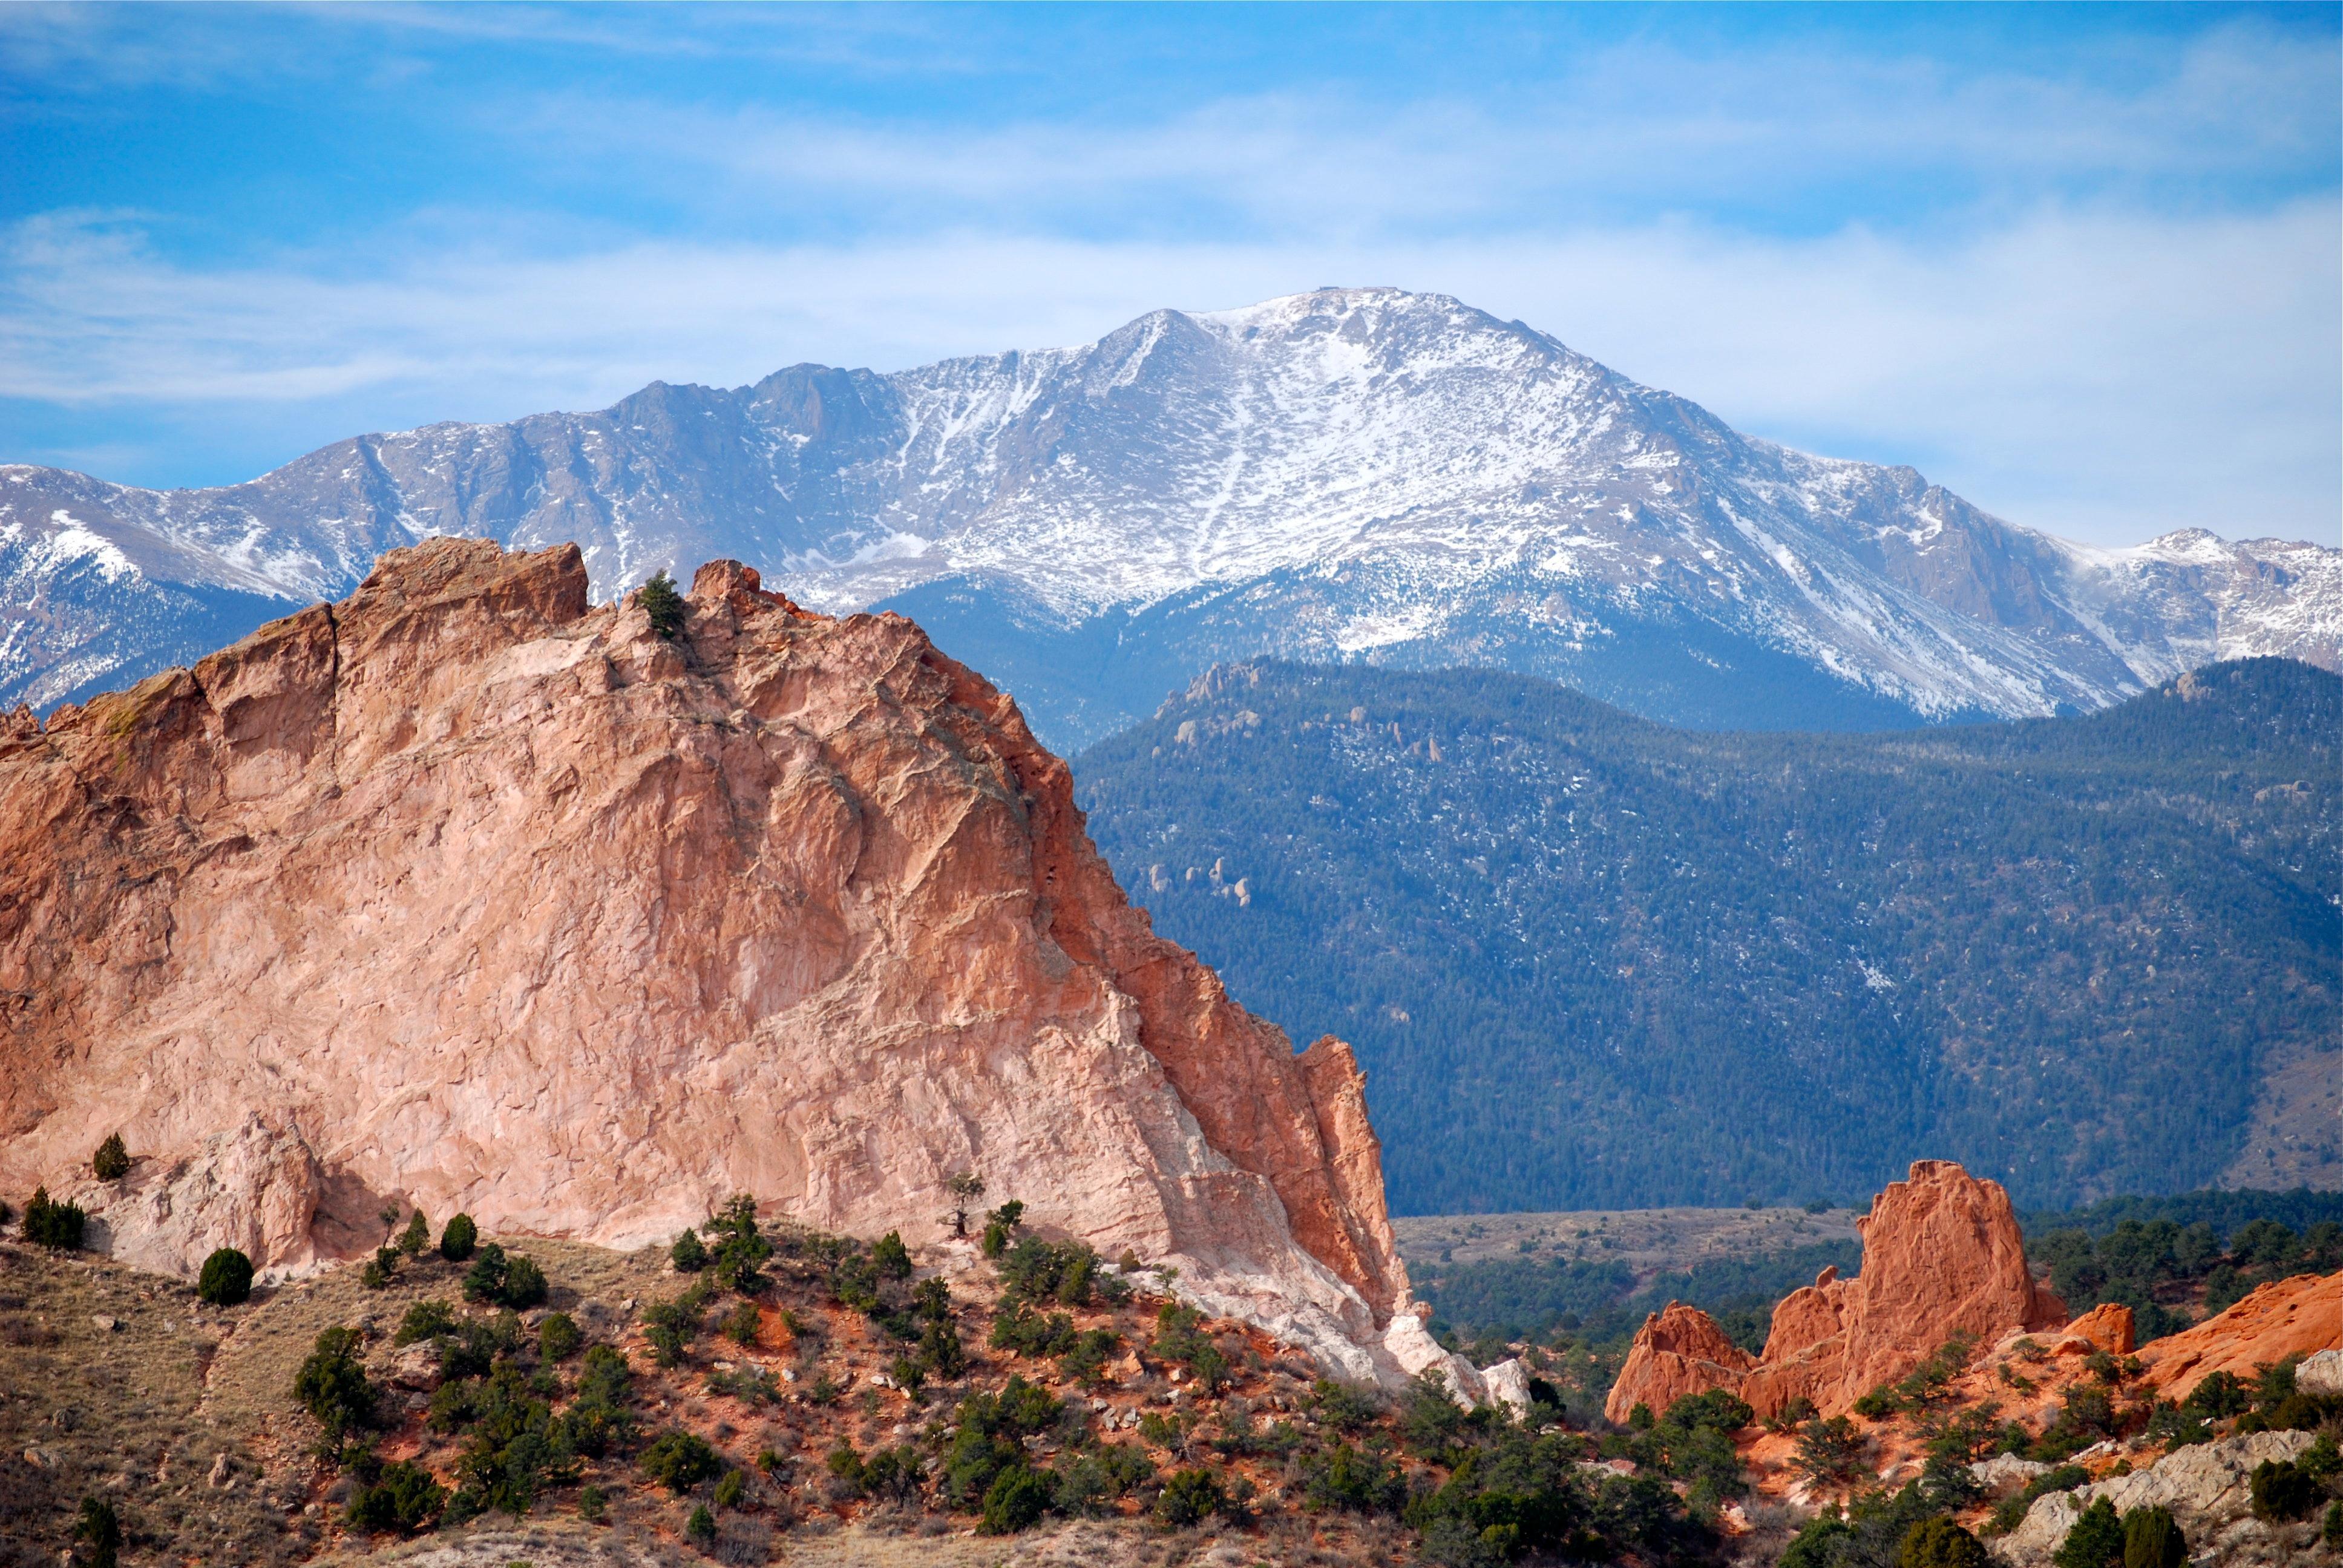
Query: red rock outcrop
x=1678, y=1351
x=483, y=897
x=1941, y=1256
x=2295, y=1317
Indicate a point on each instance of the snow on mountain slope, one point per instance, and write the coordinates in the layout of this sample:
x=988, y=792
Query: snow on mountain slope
x=1347, y=474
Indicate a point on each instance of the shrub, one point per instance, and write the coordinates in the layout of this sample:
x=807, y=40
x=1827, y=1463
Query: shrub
x=424, y=1320
x=1018, y=1497
x=680, y=1461
x=670, y=1325
x=484, y=1282
x=1189, y=1497
x=593, y=1505
x=701, y=1525
x=2282, y=1492
x=404, y=1498
x=376, y=1275
x=525, y=1283
x=999, y=1224
x=112, y=1161
x=2330, y=1530
x=688, y=1254
x=598, y=1420
x=731, y=1488
x=894, y=1259
x=2153, y=1540
x=1830, y=1452
x=102, y=1530
x=455, y=1242
x=557, y=1338
x=742, y=1322
x=54, y=1225
x=1344, y=1406
x=740, y=1246
x=332, y=1384
x=2095, y=1541
x=1939, y=1542
x=227, y=1278
x=1357, y=1480
x=1179, y=1337
x=663, y=607
x=416, y=1236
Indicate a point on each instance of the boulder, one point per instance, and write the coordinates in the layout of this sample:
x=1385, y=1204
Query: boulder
x=2106, y=1327
x=256, y=1187
x=2321, y=1373
x=2204, y=1485
x=468, y=894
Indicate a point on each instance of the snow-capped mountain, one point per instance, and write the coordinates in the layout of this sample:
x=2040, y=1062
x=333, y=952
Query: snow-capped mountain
x=1348, y=474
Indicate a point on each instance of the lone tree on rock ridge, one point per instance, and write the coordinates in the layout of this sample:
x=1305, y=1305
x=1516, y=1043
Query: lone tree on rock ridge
x=662, y=605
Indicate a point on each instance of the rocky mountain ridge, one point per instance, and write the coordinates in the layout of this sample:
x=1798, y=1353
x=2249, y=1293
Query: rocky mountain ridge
x=1351, y=474
x=464, y=893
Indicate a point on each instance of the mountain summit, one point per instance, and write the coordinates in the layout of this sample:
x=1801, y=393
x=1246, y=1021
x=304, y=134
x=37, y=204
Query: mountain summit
x=1349, y=474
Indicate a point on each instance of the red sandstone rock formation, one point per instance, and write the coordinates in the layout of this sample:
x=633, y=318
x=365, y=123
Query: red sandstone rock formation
x=2295, y=1317
x=464, y=893
x=1941, y=1256
x=1678, y=1351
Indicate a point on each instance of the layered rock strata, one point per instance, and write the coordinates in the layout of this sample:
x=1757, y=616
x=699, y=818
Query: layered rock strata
x=1942, y=1255
x=464, y=893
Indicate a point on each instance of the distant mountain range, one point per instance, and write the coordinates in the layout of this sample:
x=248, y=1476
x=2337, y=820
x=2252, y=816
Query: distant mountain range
x=1592, y=961
x=1358, y=475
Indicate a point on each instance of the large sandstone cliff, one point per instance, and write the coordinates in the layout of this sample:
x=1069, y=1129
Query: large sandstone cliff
x=466, y=894
x=1942, y=1254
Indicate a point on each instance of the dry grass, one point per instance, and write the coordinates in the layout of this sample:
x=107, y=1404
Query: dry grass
x=1648, y=1240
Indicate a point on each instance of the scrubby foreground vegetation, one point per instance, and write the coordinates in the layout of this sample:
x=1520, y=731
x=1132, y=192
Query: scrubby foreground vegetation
x=754, y=1388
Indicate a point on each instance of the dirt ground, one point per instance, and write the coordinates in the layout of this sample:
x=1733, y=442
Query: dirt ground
x=1648, y=1240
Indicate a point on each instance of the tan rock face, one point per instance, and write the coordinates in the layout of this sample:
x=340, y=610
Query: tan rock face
x=488, y=900
x=1941, y=1256
x=2295, y=1317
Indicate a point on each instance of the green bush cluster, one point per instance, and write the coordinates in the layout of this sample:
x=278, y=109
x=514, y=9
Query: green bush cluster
x=457, y=1241
x=227, y=1278
x=400, y=1498
x=58, y=1226
x=1181, y=1339
x=2137, y=1258
x=505, y=1279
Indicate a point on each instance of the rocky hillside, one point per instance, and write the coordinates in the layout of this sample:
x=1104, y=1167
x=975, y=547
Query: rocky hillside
x=464, y=893
x=1351, y=474
x=1589, y=961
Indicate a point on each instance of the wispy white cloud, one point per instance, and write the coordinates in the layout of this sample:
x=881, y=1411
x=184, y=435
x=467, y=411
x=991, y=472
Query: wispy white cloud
x=2104, y=375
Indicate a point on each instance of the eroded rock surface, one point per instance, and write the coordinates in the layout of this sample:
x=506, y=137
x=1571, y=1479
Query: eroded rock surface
x=2291, y=1317
x=2206, y=1486
x=491, y=901
x=1942, y=1254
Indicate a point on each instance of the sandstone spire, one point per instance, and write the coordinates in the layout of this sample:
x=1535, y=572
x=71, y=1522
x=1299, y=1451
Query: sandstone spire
x=1941, y=1256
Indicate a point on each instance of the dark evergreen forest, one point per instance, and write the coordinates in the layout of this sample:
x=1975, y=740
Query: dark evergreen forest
x=1592, y=961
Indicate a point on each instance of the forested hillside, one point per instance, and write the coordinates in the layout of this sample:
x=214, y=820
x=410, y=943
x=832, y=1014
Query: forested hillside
x=1593, y=962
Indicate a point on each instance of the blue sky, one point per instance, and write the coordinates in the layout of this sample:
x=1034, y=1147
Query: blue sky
x=2081, y=265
